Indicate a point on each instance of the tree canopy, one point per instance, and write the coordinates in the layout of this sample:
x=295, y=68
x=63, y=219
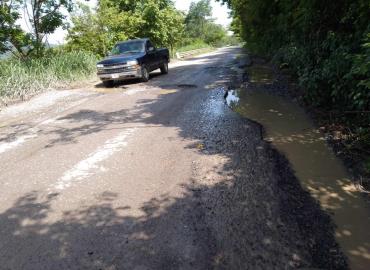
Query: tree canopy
x=158, y=20
x=98, y=29
x=43, y=17
x=120, y=20
x=200, y=25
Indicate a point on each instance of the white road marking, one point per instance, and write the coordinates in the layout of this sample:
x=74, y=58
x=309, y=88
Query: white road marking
x=4, y=147
x=37, y=103
x=9, y=145
x=90, y=165
x=133, y=91
x=55, y=120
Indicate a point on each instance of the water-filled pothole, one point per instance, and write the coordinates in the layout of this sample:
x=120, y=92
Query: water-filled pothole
x=187, y=86
x=260, y=74
x=292, y=132
x=181, y=86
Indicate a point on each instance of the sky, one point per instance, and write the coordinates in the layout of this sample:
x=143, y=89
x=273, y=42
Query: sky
x=220, y=14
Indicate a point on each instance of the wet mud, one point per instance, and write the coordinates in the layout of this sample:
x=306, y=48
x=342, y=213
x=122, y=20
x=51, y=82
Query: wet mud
x=289, y=130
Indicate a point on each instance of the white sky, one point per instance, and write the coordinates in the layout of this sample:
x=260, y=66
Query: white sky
x=220, y=14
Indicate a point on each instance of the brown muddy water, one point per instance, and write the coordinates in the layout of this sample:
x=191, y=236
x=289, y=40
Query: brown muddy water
x=292, y=132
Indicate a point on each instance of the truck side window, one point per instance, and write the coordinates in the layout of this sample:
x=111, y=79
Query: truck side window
x=149, y=45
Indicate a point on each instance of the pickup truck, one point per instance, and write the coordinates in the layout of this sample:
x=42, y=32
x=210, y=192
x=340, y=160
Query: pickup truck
x=132, y=59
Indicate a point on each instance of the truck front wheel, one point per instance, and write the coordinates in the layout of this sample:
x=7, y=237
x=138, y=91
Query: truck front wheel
x=164, y=68
x=108, y=83
x=144, y=74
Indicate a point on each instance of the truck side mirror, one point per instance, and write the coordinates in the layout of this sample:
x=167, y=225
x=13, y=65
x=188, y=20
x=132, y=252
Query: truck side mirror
x=151, y=49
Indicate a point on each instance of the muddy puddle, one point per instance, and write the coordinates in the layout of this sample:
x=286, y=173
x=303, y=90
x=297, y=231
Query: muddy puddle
x=260, y=74
x=291, y=131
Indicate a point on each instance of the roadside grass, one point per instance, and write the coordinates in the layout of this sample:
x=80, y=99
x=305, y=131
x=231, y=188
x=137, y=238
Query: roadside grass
x=205, y=47
x=20, y=79
x=194, y=46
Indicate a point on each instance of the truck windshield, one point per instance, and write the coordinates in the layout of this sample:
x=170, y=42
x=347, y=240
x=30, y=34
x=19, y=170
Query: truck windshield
x=128, y=47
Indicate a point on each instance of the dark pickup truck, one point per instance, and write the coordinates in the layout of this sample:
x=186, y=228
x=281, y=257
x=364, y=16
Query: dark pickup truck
x=132, y=59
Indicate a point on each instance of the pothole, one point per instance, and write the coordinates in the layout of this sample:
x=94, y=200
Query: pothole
x=291, y=131
x=187, y=86
x=212, y=67
x=182, y=86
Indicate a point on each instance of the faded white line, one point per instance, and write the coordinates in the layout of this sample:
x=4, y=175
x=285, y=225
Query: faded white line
x=54, y=120
x=9, y=145
x=133, y=91
x=4, y=147
x=90, y=165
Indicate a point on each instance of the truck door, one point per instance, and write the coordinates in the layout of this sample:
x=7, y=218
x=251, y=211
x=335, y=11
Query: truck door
x=152, y=56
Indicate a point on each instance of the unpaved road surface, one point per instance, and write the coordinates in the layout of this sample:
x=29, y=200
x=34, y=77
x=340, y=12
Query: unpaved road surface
x=161, y=175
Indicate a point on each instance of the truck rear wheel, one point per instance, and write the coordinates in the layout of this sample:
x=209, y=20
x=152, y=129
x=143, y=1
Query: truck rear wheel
x=164, y=68
x=108, y=83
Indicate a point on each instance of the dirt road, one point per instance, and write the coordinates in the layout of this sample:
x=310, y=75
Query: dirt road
x=161, y=175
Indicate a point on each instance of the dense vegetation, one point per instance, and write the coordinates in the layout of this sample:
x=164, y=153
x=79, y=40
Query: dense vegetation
x=112, y=21
x=34, y=66
x=327, y=45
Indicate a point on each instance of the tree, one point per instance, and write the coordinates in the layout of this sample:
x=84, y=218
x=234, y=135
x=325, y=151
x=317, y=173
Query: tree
x=115, y=21
x=175, y=28
x=214, y=34
x=87, y=32
x=132, y=5
x=163, y=26
x=99, y=31
x=200, y=25
x=12, y=37
x=197, y=18
x=45, y=16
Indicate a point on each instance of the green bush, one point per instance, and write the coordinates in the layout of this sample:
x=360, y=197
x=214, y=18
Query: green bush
x=21, y=78
x=326, y=43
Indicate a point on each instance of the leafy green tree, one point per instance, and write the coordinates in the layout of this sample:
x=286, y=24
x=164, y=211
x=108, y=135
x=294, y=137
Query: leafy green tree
x=175, y=28
x=45, y=16
x=132, y=5
x=164, y=26
x=115, y=21
x=99, y=30
x=215, y=34
x=87, y=33
x=12, y=37
x=200, y=25
x=197, y=18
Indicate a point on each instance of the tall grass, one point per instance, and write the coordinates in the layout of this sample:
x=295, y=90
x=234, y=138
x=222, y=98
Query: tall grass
x=194, y=45
x=20, y=79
